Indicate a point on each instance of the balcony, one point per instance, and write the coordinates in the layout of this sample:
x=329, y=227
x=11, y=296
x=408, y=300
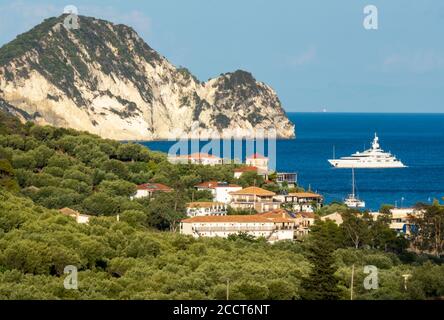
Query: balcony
x=241, y=229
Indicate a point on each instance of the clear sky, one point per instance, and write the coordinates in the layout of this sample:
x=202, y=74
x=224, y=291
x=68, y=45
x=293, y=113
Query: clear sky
x=315, y=53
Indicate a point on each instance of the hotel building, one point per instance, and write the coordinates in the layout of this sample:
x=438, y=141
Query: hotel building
x=255, y=198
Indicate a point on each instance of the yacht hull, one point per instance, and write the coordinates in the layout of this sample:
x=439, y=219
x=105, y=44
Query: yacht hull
x=346, y=164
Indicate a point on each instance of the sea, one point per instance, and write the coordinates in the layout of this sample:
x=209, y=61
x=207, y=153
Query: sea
x=416, y=139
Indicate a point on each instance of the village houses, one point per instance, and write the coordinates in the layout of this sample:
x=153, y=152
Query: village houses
x=196, y=158
x=201, y=209
x=271, y=228
x=259, y=161
x=301, y=201
x=220, y=190
x=80, y=218
x=255, y=198
x=149, y=190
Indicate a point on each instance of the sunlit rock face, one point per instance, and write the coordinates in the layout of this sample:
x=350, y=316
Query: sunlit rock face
x=104, y=79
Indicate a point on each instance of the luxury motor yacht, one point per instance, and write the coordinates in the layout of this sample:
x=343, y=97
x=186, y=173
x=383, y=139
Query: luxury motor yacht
x=370, y=158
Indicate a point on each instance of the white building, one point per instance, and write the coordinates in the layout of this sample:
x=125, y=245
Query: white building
x=258, y=161
x=201, y=209
x=271, y=228
x=219, y=190
x=238, y=172
x=304, y=222
x=148, y=190
x=80, y=218
x=255, y=198
x=302, y=201
x=196, y=158
x=290, y=178
x=401, y=219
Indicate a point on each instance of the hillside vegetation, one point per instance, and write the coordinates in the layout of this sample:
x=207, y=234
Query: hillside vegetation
x=43, y=169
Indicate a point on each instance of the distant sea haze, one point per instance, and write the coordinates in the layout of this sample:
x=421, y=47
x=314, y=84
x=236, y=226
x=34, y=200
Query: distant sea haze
x=416, y=139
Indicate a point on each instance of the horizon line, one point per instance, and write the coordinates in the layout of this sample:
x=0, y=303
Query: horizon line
x=366, y=112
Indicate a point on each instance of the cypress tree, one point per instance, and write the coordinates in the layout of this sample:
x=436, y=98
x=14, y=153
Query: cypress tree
x=321, y=284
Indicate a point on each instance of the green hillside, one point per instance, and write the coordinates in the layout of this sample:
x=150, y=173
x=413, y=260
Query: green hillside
x=43, y=169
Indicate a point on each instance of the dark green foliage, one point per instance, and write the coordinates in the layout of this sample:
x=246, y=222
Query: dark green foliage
x=429, y=232
x=187, y=74
x=25, y=42
x=129, y=258
x=321, y=284
x=7, y=176
x=251, y=179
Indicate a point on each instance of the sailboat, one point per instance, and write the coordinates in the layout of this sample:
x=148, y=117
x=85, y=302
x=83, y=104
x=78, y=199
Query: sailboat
x=352, y=201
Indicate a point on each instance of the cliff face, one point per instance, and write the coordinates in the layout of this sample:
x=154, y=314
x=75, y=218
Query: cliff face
x=103, y=78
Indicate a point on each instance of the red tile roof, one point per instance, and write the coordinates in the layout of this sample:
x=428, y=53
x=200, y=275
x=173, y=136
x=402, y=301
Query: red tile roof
x=253, y=191
x=154, y=187
x=309, y=215
x=237, y=219
x=246, y=169
x=278, y=213
x=256, y=156
x=304, y=195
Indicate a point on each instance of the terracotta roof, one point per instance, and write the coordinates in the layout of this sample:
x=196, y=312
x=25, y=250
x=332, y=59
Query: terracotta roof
x=278, y=213
x=69, y=212
x=215, y=184
x=305, y=195
x=253, y=191
x=154, y=187
x=204, y=204
x=309, y=215
x=236, y=219
x=256, y=156
x=246, y=169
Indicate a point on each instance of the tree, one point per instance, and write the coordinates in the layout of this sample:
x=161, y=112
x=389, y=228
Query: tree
x=134, y=217
x=280, y=289
x=128, y=152
x=244, y=236
x=100, y=204
x=428, y=230
x=385, y=208
x=251, y=178
x=142, y=245
x=118, y=188
x=356, y=228
x=249, y=290
x=166, y=210
x=321, y=284
x=116, y=167
x=7, y=177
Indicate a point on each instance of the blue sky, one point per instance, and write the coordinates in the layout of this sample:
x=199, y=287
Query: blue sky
x=315, y=53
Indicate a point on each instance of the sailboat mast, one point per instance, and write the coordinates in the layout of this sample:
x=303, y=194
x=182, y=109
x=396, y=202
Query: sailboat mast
x=353, y=182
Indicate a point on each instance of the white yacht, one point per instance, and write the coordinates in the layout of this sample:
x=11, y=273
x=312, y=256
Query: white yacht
x=352, y=201
x=370, y=158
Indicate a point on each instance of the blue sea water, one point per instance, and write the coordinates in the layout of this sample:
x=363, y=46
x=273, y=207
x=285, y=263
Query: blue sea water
x=416, y=139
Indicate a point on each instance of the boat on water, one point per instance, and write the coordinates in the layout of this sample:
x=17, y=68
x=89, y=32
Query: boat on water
x=374, y=157
x=352, y=200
